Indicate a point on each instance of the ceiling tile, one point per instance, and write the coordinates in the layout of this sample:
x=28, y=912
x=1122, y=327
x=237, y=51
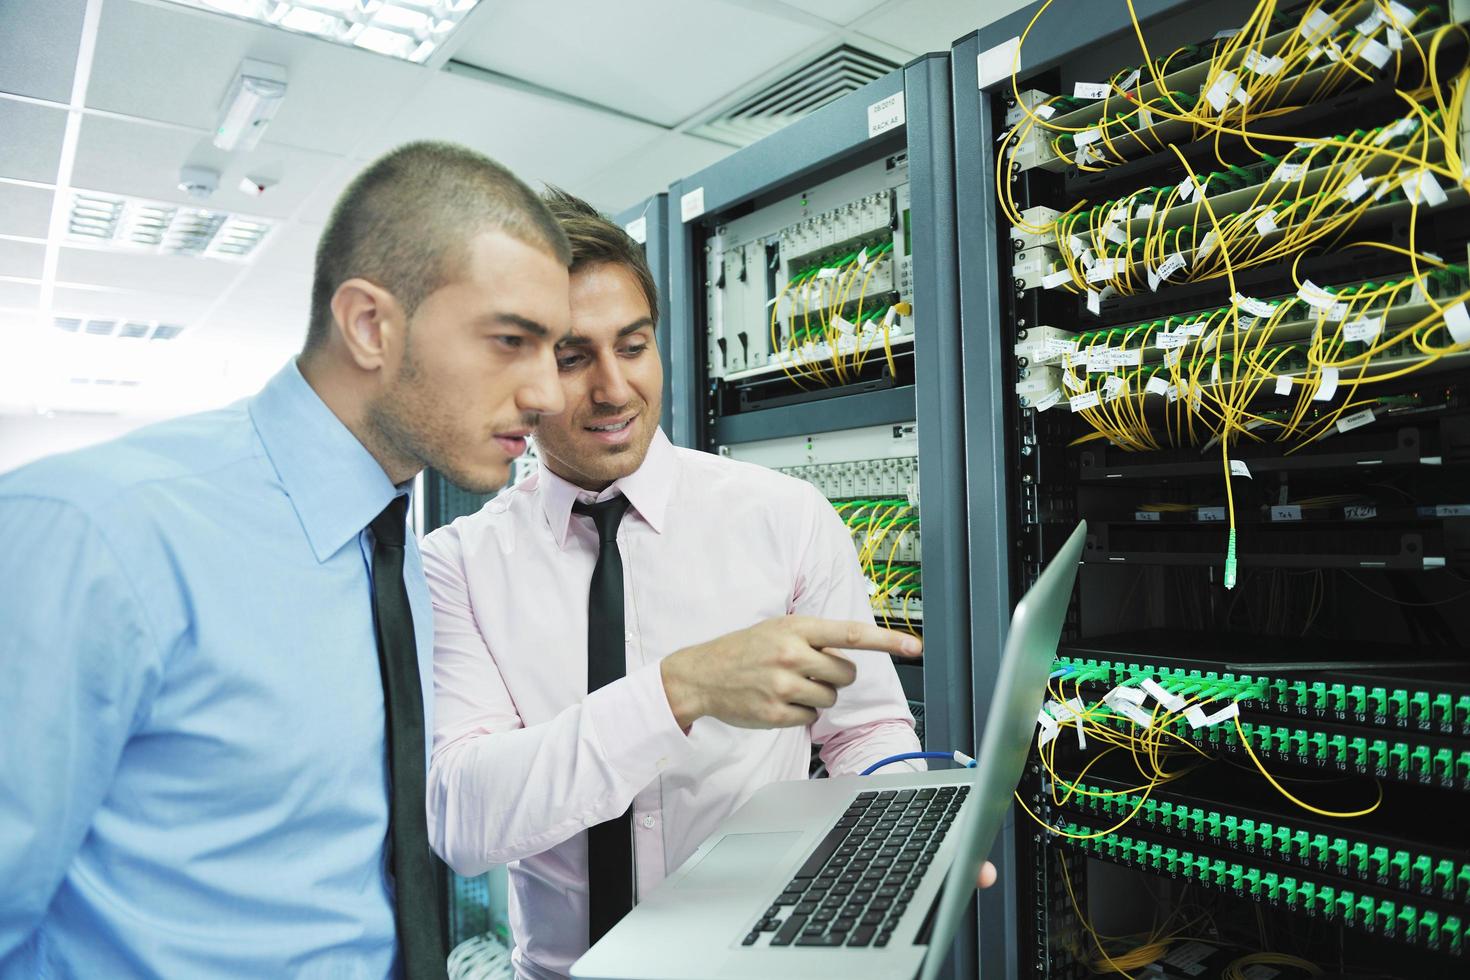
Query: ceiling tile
x=21, y=259
x=841, y=12
x=933, y=25
x=124, y=157
x=334, y=93
x=38, y=47
x=164, y=273
x=19, y=295
x=649, y=169
x=24, y=211
x=31, y=147
x=659, y=65
x=165, y=306
x=536, y=137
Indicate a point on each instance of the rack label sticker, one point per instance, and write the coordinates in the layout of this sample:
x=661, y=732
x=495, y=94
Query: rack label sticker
x=1238, y=468
x=885, y=114
x=1173, y=357
x=691, y=205
x=1286, y=512
x=997, y=63
x=1212, y=238
x=1186, y=189
x=1091, y=90
x=1266, y=223
x=1452, y=510
x=1219, y=94
x=1146, y=515
x=1087, y=137
x=1048, y=400
x=1044, y=111
x=1073, y=382
x=1114, y=387
x=1211, y=514
x=1457, y=319
x=1156, y=386
x=1356, y=420
x=1359, y=512
x=1082, y=402
x=637, y=230
x=1327, y=387
x=1262, y=65
x=1363, y=329
x=1170, y=341
x=1131, y=80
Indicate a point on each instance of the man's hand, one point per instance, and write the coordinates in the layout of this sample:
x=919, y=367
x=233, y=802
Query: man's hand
x=776, y=674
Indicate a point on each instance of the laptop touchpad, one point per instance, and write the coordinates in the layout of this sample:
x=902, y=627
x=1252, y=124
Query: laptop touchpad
x=738, y=861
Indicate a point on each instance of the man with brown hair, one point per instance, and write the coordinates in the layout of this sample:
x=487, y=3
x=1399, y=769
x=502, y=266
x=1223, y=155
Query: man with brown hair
x=619, y=558
x=217, y=635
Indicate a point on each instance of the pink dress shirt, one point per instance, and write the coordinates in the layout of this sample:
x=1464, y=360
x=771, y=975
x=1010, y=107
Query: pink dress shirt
x=524, y=759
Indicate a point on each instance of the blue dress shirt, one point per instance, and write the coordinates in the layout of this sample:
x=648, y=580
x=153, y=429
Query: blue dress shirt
x=193, y=779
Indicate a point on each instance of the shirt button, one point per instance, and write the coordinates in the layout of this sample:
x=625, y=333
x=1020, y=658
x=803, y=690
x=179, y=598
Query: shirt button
x=663, y=762
x=648, y=822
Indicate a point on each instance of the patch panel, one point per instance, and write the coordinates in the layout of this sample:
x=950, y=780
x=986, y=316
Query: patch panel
x=1307, y=680
x=1434, y=865
x=1363, y=907
x=895, y=478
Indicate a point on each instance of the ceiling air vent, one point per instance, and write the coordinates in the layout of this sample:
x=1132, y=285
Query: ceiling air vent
x=830, y=76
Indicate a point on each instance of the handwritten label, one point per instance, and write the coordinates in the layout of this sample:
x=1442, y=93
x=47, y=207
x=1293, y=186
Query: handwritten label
x=1355, y=421
x=1286, y=512
x=1091, y=90
x=1211, y=514
x=1082, y=402
x=1238, y=468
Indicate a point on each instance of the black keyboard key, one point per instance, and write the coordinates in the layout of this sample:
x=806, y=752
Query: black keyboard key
x=838, y=934
x=888, y=891
x=806, y=908
x=824, y=915
x=887, y=794
x=824, y=850
x=788, y=932
x=773, y=911
x=845, y=924
x=880, y=904
x=820, y=941
x=861, y=936
x=898, y=909
x=867, y=794
x=925, y=794
x=888, y=852
x=904, y=795
x=750, y=939
x=769, y=925
x=788, y=898
x=872, y=918
x=881, y=939
x=902, y=867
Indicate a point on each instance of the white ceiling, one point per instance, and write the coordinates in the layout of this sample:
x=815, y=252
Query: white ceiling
x=597, y=97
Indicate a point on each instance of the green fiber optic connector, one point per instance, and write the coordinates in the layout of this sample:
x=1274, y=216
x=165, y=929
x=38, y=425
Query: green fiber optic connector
x=1385, y=915
x=1318, y=847
x=1289, y=889
x=1359, y=751
x=1400, y=864
x=1337, y=850
x=1378, y=751
x=1299, y=844
x=1359, y=857
x=1319, y=745
x=1419, y=761
x=1344, y=903
x=1398, y=702
x=1337, y=697
x=1358, y=698
x=1337, y=746
x=1453, y=933
x=1423, y=871
x=1378, y=861
x=1441, y=711
x=1318, y=691
x=1419, y=705
x=1378, y=696
x=1399, y=757
x=1363, y=911
x=1429, y=925
x=1326, y=896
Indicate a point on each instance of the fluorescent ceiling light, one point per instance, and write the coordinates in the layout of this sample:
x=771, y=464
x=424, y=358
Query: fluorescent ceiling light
x=120, y=329
x=251, y=103
x=407, y=29
x=136, y=225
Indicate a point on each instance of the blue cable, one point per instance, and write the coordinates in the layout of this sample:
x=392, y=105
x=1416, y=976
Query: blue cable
x=958, y=757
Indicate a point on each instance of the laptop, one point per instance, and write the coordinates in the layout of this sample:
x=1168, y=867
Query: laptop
x=861, y=877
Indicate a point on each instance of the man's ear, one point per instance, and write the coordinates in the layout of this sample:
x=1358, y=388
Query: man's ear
x=369, y=322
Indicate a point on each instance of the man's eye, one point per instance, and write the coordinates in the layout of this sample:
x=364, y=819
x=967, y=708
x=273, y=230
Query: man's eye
x=635, y=350
x=510, y=341
x=568, y=361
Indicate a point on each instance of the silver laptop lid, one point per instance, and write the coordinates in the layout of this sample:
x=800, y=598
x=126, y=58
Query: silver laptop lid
x=1020, y=689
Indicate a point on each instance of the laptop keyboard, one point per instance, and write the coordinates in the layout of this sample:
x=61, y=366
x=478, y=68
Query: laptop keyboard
x=856, y=885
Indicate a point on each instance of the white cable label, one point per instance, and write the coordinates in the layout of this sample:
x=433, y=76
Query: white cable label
x=1094, y=302
x=1131, y=80
x=1113, y=387
x=1315, y=296
x=1156, y=386
x=1374, y=53
x=1238, y=468
x=1048, y=400
x=1286, y=512
x=1363, y=329
x=1255, y=307
x=1266, y=223
x=1355, y=189
x=1071, y=381
x=1219, y=94
x=1044, y=111
x=1186, y=189
x=1212, y=238
x=1262, y=65
x=1086, y=137
x=1080, y=403
x=1172, y=358
x=1355, y=421
x=1091, y=90
x=1457, y=319
x=1170, y=341
x=1359, y=512
x=1287, y=172
x=1401, y=16
x=1171, y=265
x=1049, y=728
x=1327, y=387
x=1163, y=695
x=1146, y=515
x=1211, y=514
x=1055, y=279
x=1104, y=270
x=1317, y=26
x=1198, y=718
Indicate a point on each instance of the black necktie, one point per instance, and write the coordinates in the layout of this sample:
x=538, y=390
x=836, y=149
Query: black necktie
x=610, y=844
x=417, y=888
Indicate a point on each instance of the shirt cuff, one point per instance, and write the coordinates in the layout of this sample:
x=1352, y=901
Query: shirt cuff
x=636, y=727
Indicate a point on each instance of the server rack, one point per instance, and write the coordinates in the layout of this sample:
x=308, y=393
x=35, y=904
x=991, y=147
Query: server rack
x=1372, y=695
x=915, y=400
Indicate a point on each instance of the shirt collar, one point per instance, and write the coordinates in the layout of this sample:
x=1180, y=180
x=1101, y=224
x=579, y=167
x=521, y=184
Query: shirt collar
x=647, y=489
x=333, y=482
